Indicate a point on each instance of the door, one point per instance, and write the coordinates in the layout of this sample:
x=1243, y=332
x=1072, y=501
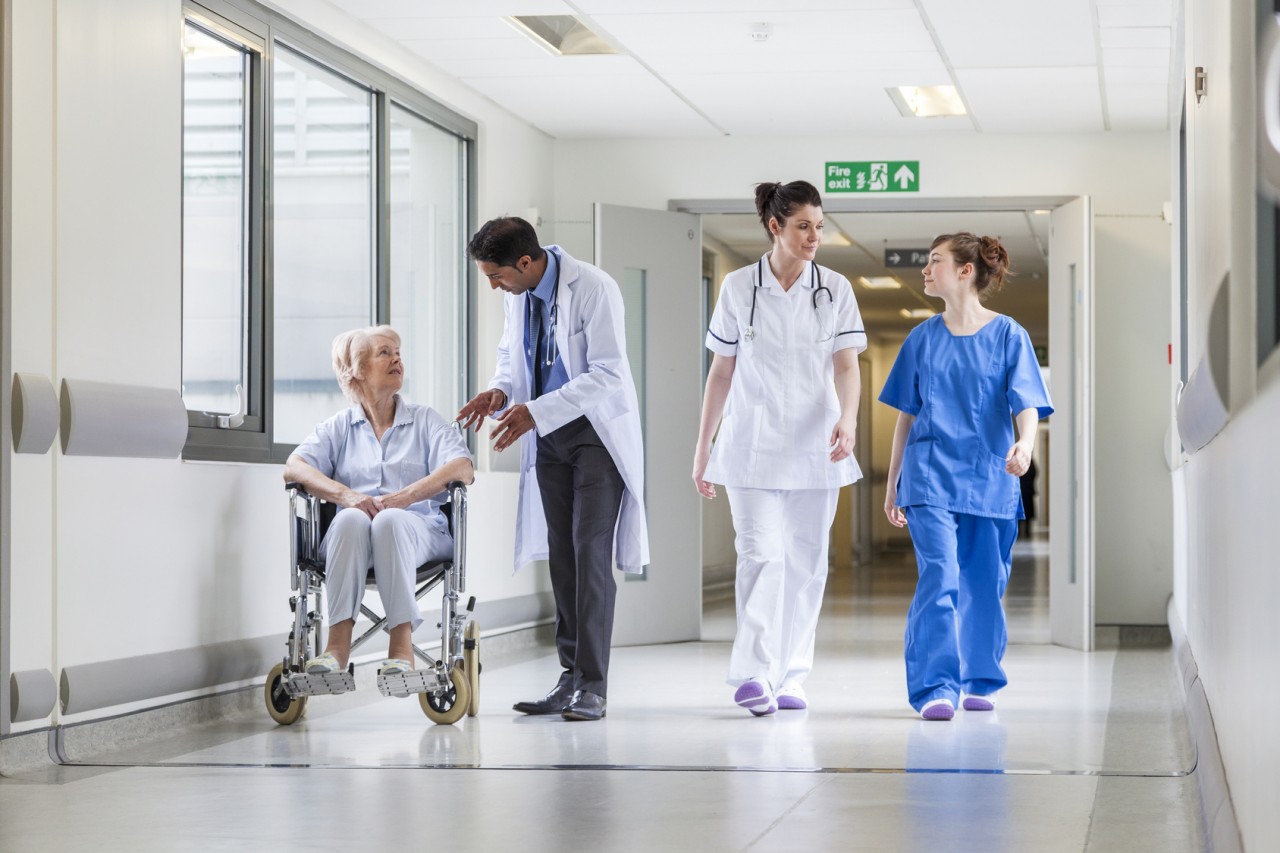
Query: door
x=656, y=258
x=1071, y=427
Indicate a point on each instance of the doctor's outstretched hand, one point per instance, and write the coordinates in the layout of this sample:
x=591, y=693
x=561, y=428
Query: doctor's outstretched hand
x=512, y=424
x=482, y=405
x=842, y=440
x=701, y=457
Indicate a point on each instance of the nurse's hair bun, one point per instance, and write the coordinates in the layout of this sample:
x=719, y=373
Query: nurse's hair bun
x=989, y=258
x=779, y=201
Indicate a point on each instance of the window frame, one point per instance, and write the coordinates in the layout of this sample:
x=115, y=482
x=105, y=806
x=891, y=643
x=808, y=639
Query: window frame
x=261, y=29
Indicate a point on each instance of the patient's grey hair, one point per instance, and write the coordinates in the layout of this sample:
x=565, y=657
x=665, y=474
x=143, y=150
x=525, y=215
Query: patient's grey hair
x=350, y=352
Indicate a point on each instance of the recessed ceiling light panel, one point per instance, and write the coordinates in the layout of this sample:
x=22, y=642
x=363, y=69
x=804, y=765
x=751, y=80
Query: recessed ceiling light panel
x=879, y=282
x=563, y=35
x=927, y=101
x=917, y=313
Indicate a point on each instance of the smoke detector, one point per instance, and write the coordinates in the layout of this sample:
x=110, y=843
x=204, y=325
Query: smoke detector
x=760, y=32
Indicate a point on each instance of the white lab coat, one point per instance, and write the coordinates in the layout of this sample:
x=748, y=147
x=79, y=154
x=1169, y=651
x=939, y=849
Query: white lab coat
x=591, y=341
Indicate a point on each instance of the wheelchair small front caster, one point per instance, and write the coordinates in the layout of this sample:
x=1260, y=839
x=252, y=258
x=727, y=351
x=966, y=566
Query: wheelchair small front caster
x=450, y=705
x=284, y=709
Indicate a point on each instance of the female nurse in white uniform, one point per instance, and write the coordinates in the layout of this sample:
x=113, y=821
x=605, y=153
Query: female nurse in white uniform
x=786, y=334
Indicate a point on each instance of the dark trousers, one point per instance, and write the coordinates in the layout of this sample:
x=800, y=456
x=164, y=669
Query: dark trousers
x=581, y=496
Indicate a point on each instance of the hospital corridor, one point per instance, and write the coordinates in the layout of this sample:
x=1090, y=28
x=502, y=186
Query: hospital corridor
x=719, y=425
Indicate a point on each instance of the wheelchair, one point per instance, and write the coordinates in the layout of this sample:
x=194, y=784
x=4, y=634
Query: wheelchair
x=447, y=688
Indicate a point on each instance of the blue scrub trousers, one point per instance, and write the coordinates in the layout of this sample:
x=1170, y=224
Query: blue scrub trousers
x=956, y=634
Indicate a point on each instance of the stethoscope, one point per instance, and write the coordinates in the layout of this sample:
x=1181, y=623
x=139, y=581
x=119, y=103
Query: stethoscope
x=552, y=348
x=814, y=281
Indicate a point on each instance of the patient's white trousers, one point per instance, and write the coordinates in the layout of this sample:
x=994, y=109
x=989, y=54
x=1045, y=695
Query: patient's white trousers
x=781, y=539
x=394, y=542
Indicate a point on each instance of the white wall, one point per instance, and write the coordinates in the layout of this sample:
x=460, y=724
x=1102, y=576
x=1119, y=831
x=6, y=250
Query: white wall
x=1128, y=177
x=118, y=557
x=1232, y=536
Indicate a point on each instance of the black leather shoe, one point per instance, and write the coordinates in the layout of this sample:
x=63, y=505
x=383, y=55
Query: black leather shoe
x=584, y=706
x=553, y=703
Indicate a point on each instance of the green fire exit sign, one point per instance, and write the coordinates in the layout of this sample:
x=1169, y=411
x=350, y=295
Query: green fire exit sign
x=885, y=176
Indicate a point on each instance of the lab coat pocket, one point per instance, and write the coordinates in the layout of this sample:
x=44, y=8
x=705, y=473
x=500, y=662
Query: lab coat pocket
x=740, y=432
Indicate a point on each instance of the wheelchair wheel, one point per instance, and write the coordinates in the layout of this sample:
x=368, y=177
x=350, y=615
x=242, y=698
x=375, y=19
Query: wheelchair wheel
x=450, y=706
x=471, y=660
x=282, y=709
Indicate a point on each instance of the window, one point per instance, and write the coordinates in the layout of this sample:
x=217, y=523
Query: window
x=428, y=260
x=216, y=269
x=323, y=277
x=319, y=194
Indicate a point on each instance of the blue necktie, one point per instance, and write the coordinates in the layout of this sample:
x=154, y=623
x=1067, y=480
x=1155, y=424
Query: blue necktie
x=533, y=340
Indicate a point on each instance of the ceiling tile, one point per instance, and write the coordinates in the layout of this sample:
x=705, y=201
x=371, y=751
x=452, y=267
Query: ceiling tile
x=793, y=38
x=1121, y=57
x=619, y=106
x=1135, y=15
x=1013, y=33
x=1141, y=37
x=1034, y=99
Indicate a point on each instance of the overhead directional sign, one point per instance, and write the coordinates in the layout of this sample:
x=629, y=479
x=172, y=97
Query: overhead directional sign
x=887, y=176
x=905, y=258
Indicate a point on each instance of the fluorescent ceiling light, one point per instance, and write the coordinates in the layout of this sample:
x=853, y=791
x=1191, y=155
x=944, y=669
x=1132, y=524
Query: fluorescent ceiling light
x=917, y=313
x=563, y=35
x=1041, y=212
x=832, y=237
x=879, y=282
x=927, y=101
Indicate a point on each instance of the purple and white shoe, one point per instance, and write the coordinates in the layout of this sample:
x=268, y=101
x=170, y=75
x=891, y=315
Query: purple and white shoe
x=979, y=703
x=938, y=709
x=792, y=698
x=754, y=695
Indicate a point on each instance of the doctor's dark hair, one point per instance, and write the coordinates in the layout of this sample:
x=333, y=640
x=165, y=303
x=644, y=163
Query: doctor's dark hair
x=504, y=241
x=990, y=260
x=779, y=201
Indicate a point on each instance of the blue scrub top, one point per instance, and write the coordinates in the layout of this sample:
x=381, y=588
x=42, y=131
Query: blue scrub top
x=964, y=391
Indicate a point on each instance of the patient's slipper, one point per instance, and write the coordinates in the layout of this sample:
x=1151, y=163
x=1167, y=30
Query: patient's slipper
x=394, y=666
x=325, y=663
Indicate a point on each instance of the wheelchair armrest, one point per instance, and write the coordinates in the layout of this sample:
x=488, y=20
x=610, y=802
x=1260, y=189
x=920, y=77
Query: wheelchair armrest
x=296, y=487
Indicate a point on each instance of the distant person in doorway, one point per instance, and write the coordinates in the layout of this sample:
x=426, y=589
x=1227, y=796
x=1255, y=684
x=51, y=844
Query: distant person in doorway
x=563, y=388
x=961, y=380
x=1027, y=485
x=783, y=389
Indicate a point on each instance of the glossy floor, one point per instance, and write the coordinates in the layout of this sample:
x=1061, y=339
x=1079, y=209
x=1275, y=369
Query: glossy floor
x=1084, y=752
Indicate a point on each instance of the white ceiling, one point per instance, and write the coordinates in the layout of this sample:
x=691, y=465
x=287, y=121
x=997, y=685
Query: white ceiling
x=690, y=68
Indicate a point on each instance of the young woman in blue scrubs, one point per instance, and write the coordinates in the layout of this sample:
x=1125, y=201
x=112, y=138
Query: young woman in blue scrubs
x=961, y=381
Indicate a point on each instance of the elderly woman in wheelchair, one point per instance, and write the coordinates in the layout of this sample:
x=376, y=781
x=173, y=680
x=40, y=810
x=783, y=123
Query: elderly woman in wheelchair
x=382, y=462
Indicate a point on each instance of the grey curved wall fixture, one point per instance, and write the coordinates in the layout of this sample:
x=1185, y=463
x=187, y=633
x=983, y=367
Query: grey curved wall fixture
x=105, y=419
x=1204, y=404
x=32, y=694
x=35, y=413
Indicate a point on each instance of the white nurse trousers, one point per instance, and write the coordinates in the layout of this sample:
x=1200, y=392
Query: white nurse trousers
x=781, y=539
x=394, y=542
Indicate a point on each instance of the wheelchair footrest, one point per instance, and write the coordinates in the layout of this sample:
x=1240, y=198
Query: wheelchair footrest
x=401, y=684
x=320, y=683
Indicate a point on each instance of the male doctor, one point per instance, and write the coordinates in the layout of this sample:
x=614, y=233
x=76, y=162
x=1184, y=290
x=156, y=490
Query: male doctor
x=563, y=382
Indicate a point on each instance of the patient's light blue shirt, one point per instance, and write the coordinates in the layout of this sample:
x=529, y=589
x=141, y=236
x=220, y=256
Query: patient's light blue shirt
x=420, y=440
